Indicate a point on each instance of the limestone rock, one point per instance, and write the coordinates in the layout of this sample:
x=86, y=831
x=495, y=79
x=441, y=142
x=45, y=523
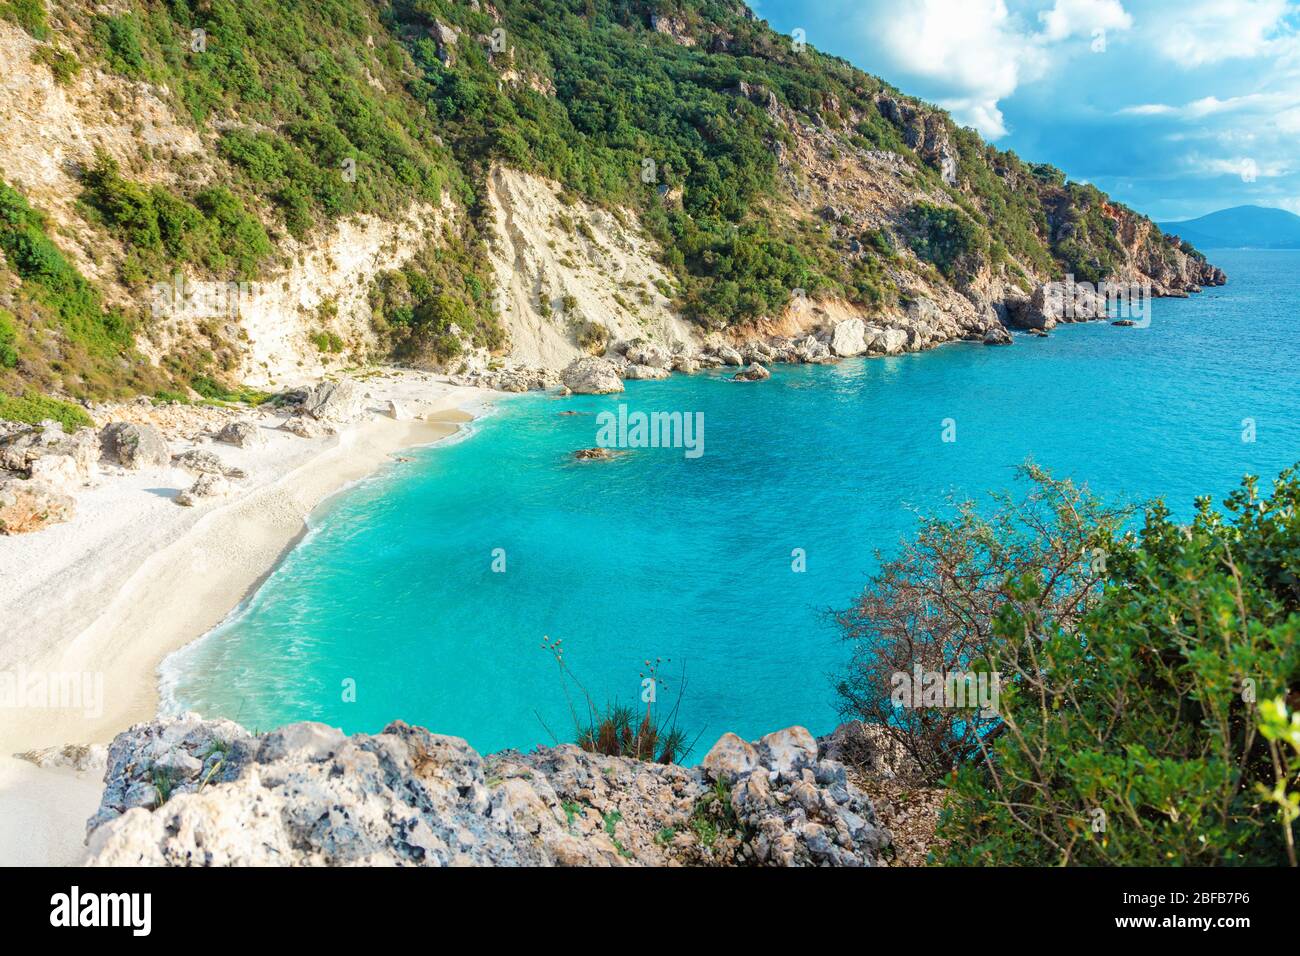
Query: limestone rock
x=997, y=335
x=645, y=372
x=590, y=375
x=207, y=486
x=336, y=402
x=242, y=435
x=181, y=791
x=754, y=373
x=134, y=446
x=848, y=338
x=31, y=505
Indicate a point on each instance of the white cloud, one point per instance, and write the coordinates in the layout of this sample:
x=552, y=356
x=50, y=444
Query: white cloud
x=1194, y=33
x=1070, y=18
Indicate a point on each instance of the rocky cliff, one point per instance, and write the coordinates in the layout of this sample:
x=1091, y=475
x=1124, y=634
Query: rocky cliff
x=497, y=190
x=188, y=792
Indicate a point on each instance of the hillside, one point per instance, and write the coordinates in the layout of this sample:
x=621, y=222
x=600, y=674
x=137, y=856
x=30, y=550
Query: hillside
x=453, y=184
x=1241, y=227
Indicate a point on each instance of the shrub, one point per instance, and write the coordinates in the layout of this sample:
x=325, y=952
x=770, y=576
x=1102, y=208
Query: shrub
x=8, y=340
x=1132, y=736
x=28, y=14
x=948, y=238
x=62, y=63
x=933, y=605
x=615, y=730
x=34, y=409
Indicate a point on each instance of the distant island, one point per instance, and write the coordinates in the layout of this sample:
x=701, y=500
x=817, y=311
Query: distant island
x=1241, y=227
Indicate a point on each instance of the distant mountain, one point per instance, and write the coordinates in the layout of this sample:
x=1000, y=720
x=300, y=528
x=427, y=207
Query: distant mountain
x=1256, y=227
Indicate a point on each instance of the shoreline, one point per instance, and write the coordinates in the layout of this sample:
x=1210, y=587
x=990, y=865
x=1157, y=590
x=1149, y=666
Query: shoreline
x=164, y=576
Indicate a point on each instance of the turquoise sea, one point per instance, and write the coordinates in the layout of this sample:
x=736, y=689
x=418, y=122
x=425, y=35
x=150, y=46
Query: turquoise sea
x=656, y=555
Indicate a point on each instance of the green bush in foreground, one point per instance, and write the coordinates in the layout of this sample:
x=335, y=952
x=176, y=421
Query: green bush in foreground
x=33, y=408
x=1136, y=738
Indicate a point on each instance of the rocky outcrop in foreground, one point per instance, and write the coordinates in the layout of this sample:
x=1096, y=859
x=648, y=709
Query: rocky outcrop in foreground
x=189, y=792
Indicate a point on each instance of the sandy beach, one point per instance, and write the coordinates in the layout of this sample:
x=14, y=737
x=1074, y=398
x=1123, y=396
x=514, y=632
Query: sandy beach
x=103, y=598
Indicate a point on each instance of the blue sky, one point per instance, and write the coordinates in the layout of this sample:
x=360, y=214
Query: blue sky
x=1176, y=107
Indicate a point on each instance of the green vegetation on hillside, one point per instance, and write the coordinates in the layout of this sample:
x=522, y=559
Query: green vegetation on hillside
x=320, y=109
x=56, y=329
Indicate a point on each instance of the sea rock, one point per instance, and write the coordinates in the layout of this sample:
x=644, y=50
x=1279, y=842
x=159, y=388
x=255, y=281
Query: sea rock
x=848, y=338
x=645, y=372
x=811, y=349
x=207, y=486
x=242, y=435
x=27, y=506
x=729, y=356
x=886, y=341
x=593, y=454
x=336, y=402
x=647, y=353
x=590, y=375
x=134, y=446
x=754, y=373
x=1124, y=323
x=181, y=791
x=997, y=335
x=686, y=364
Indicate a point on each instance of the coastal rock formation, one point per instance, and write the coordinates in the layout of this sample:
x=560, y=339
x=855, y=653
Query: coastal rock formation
x=134, y=446
x=754, y=373
x=242, y=435
x=335, y=402
x=592, y=376
x=47, y=454
x=31, y=505
x=849, y=338
x=189, y=792
x=997, y=335
x=645, y=372
x=207, y=486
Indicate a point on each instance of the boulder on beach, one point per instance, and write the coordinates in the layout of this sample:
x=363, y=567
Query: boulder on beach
x=207, y=486
x=242, y=435
x=339, y=401
x=591, y=375
x=134, y=446
x=27, y=505
x=48, y=454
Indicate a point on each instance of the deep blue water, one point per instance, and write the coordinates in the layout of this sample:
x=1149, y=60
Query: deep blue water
x=656, y=555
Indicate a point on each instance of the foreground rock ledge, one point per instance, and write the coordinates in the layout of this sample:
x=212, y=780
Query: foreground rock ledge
x=189, y=792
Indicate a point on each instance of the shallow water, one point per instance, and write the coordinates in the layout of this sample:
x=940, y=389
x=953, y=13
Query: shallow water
x=659, y=555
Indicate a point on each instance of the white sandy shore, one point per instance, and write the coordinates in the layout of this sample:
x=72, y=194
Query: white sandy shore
x=133, y=577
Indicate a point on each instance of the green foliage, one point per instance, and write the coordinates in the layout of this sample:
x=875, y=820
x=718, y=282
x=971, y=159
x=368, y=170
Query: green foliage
x=438, y=300
x=328, y=342
x=947, y=238
x=1133, y=738
x=53, y=284
x=28, y=14
x=123, y=48
x=63, y=63
x=34, y=409
x=164, y=232
x=215, y=391
x=8, y=339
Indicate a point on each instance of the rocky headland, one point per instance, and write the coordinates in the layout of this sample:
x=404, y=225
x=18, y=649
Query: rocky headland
x=184, y=791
